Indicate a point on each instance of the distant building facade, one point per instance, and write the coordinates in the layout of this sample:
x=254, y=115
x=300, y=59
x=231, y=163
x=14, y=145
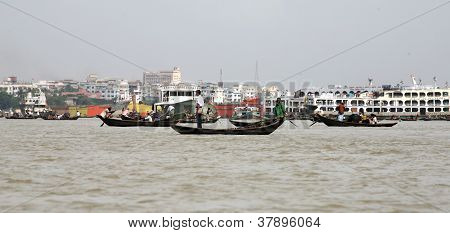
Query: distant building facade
x=151, y=80
x=163, y=77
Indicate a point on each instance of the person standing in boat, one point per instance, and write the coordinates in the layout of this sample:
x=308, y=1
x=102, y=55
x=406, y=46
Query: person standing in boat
x=341, y=109
x=199, y=108
x=170, y=112
x=279, y=110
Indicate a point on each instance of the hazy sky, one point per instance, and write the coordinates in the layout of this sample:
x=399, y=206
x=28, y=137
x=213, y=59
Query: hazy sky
x=202, y=36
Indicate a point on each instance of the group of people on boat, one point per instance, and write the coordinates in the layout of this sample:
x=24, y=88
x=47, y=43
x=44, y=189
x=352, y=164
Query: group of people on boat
x=361, y=117
x=169, y=112
x=64, y=116
x=150, y=115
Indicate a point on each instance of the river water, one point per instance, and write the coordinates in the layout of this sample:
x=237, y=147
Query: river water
x=77, y=166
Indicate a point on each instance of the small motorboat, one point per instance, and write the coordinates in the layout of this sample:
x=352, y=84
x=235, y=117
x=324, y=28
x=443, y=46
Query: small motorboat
x=336, y=123
x=262, y=130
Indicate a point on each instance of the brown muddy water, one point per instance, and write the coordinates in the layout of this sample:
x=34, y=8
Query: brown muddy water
x=77, y=166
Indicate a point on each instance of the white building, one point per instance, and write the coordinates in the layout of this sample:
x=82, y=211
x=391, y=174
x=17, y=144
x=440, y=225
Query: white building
x=16, y=89
x=207, y=89
x=49, y=85
x=122, y=91
x=163, y=77
x=219, y=96
x=152, y=81
x=249, y=91
x=233, y=95
x=12, y=87
x=108, y=89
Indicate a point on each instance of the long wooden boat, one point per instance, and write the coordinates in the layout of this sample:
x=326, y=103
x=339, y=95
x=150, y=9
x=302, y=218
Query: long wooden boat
x=208, y=121
x=263, y=130
x=62, y=119
x=21, y=118
x=134, y=123
x=336, y=123
x=212, y=120
x=410, y=118
x=251, y=122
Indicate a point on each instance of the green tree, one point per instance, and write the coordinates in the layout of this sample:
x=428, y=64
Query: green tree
x=56, y=101
x=8, y=101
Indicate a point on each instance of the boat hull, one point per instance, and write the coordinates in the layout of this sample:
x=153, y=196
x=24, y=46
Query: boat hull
x=264, y=130
x=243, y=123
x=63, y=119
x=210, y=121
x=334, y=123
x=133, y=123
x=21, y=118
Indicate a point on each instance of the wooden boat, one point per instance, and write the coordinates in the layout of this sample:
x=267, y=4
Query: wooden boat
x=262, y=130
x=134, y=123
x=213, y=120
x=336, y=123
x=251, y=122
x=208, y=121
x=21, y=118
x=409, y=118
x=62, y=119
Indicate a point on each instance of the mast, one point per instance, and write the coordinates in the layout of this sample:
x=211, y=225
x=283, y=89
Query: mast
x=220, y=83
x=414, y=81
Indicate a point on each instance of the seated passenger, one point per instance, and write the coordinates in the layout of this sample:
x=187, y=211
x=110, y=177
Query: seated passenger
x=156, y=116
x=364, y=118
x=148, y=117
x=354, y=118
x=373, y=119
x=125, y=112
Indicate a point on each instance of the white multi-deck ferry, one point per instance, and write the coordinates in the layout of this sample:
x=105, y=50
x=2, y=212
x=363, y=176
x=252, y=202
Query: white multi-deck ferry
x=415, y=101
x=36, y=104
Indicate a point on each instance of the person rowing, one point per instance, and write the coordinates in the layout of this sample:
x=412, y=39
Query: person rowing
x=107, y=113
x=279, y=110
x=199, y=108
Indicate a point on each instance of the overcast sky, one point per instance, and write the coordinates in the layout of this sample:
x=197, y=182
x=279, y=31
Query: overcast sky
x=202, y=36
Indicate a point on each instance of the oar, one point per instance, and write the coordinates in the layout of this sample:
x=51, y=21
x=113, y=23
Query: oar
x=293, y=123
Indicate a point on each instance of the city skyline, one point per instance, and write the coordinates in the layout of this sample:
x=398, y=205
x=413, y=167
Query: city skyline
x=202, y=37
